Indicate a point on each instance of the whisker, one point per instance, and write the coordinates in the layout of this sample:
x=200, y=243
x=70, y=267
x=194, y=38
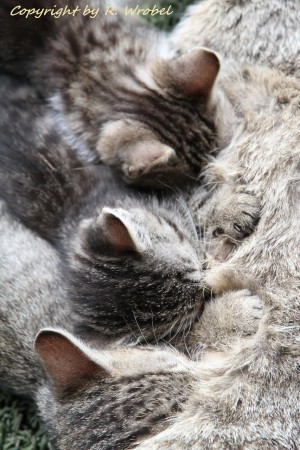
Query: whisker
x=139, y=328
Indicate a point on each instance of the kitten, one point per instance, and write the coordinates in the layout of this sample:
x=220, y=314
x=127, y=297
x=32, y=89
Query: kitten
x=132, y=263
x=30, y=296
x=124, y=395
x=109, y=398
x=117, y=90
x=89, y=391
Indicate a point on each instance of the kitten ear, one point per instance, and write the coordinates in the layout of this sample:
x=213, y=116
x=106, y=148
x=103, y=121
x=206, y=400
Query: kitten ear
x=193, y=73
x=71, y=364
x=66, y=360
x=116, y=232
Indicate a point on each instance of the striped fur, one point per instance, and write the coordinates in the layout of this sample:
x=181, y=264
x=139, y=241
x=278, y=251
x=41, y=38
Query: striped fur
x=115, y=86
x=132, y=263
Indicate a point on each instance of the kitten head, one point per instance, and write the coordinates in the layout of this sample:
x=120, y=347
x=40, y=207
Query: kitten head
x=170, y=127
x=107, y=398
x=149, y=116
x=135, y=272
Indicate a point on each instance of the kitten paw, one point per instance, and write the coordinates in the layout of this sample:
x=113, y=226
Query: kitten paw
x=249, y=310
x=237, y=216
x=228, y=318
x=233, y=218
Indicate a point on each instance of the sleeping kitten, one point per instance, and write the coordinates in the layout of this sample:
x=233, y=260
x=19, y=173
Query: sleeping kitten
x=124, y=395
x=117, y=91
x=90, y=391
x=132, y=263
x=88, y=398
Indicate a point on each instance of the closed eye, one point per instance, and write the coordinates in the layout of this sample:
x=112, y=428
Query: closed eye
x=237, y=228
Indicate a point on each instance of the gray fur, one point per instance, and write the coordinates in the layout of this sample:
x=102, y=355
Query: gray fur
x=249, y=31
x=116, y=246
x=250, y=399
x=31, y=297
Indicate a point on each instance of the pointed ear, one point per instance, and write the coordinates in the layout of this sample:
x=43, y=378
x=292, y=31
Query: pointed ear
x=66, y=360
x=193, y=73
x=116, y=232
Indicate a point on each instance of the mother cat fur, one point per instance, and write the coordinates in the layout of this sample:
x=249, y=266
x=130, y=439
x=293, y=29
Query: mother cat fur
x=252, y=400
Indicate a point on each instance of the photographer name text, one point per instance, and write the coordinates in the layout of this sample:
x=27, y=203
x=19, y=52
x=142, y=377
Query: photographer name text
x=92, y=13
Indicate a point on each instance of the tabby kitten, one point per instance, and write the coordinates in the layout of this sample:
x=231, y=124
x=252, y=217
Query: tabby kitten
x=118, y=91
x=132, y=263
x=89, y=399
x=83, y=394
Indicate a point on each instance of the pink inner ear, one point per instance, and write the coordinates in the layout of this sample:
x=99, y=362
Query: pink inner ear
x=196, y=72
x=67, y=365
x=118, y=235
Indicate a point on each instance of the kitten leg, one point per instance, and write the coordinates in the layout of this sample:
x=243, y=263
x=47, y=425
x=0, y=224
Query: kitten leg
x=226, y=220
x=226, y=320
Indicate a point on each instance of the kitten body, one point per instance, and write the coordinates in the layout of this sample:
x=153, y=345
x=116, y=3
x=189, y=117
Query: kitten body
x=30, y=297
